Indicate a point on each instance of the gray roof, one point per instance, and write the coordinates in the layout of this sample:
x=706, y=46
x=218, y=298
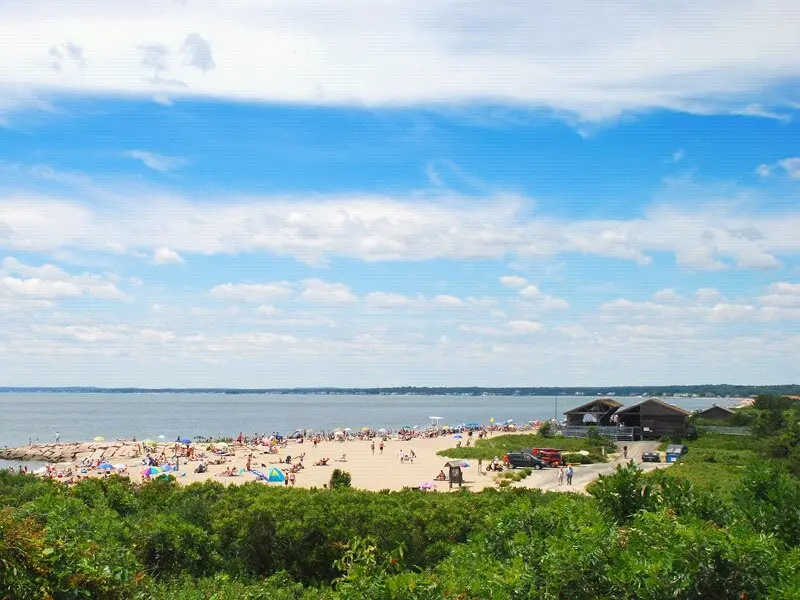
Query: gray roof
x=629, y=407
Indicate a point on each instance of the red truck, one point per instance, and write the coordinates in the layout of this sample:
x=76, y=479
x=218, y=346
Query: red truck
x=551, y=456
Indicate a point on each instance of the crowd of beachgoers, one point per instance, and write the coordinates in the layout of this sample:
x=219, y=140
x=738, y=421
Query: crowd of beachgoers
x=277, y=458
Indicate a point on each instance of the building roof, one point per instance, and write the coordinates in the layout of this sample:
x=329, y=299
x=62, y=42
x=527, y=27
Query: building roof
x=727, y=410
x=672, y=407
x=583, y=407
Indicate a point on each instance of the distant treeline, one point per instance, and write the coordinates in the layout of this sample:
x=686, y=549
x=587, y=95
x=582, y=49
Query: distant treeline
x=668, y=390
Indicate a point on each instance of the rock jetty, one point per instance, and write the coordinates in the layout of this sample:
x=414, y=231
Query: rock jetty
x=68, y=452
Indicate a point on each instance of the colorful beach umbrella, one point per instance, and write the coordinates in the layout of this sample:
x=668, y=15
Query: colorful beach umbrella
x=152, y=471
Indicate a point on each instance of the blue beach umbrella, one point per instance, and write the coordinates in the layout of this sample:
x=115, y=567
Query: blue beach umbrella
x=186, y=441
x=459, y=436
x=105, y=466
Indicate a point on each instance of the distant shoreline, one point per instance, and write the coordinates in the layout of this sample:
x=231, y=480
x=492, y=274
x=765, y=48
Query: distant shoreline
x=724, y=391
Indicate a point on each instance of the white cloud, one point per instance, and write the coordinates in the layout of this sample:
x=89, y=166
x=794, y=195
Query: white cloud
x=165, y=256
x=678, y=155
x=326, y=293
x=532, y=294
x=790, y=166
x=387, y=300
x=252, y=292
x=513, y=281
x=448, y=300
x=706, y=237
x=267, y=310
x=18, y=280
x=576, y=56
x=523, y=326
x=156, y=162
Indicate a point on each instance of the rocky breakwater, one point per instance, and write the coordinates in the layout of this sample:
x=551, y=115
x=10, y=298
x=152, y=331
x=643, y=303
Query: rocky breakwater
x=74, y=451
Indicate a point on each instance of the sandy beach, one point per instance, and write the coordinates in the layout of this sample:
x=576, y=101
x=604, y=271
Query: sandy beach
x=369, y=471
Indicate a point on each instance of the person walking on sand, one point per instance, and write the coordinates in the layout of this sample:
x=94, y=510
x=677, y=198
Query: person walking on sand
x=372, y=447
x=381, y=447
x=560, y=475
x=569, y=474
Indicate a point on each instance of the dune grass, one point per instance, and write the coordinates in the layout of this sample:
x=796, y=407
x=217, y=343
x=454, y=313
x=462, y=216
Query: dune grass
x=498, y=445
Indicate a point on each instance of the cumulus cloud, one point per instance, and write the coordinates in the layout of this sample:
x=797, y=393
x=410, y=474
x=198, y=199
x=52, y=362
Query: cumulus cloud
x=568, y=56
x=788, y=166
x=165, y=256
x=316, y=290
x=48, y=282
x=404, y=228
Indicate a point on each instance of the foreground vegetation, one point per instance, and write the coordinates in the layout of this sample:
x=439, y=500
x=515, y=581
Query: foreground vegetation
x=646, y=537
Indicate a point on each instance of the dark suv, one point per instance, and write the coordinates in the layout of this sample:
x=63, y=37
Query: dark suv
x=523, y=459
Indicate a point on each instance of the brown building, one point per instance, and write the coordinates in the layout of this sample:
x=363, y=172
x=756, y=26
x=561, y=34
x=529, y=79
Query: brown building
x=719, y=413
x=654, y=417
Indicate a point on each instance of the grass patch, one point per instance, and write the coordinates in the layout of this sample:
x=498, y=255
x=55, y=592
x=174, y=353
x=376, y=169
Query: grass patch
x=514, y=475
x=716, y=462
x=488, y=448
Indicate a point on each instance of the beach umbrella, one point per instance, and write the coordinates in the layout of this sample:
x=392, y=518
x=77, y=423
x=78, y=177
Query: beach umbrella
x=381, y=431
x=152, y=471
x=220, y=445
x=121, y=466
x=99, y=438
x=365, y=429
x=186, y=441
x=465, y=464
x=406, y=427
x=162, y=437
x=276, y=475
x=458, y=436
x=347, y=429
x=105, y=466
x=472, y=424
x=149, y=442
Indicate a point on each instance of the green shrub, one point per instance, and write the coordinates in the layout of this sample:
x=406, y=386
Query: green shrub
x=339, y=479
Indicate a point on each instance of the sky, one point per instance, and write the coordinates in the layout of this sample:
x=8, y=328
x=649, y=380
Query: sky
x=356, y=193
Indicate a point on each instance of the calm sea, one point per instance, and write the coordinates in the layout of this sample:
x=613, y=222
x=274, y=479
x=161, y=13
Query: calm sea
x=80, y=417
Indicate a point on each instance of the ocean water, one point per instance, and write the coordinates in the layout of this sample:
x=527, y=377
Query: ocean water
x=80, y=417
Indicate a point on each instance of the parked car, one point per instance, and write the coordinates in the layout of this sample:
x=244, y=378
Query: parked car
x=651, y=457
x=551, y=456
x=517, y=460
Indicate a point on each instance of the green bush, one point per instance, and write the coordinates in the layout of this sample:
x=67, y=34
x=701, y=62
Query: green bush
x=339, y=479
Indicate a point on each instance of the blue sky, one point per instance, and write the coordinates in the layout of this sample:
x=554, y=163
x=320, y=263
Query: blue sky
x=275, y=198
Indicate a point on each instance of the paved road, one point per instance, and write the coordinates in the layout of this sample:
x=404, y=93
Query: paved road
x=547, y=479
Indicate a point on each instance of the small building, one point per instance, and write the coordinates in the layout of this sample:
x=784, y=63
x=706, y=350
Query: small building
x=655, y=418
x=717, y=413
x=597, y=412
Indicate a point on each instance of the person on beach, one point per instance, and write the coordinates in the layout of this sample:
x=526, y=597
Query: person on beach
x=381, y=447
x=561, y=476
x=372, y=446
x=58, y=437
x=569, y=474
x=480, y=466
x=624, y=452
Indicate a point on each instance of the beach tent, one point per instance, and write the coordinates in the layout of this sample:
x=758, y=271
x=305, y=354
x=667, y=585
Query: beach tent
x=274, y=474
